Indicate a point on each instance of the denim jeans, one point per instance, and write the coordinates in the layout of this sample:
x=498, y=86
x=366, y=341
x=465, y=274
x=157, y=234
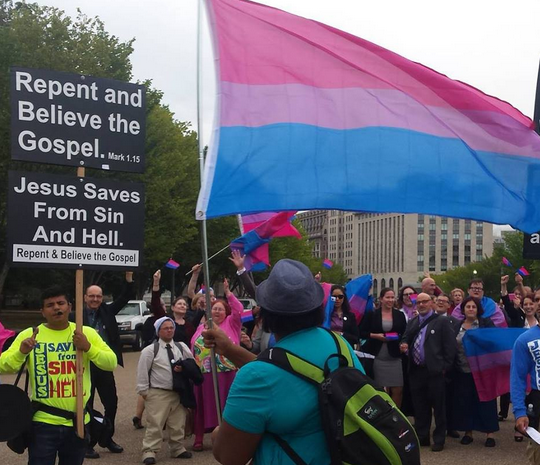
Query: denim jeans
x=47, y=441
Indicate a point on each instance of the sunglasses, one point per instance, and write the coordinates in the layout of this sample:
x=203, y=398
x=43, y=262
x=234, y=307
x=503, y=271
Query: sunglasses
x=340, y=296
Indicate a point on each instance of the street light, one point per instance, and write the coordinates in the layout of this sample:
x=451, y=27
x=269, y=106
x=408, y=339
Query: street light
x=474, y=272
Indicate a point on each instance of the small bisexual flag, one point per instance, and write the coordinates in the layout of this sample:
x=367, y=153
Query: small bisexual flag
x=506, y=261
x=172, y=264
x=327, y=263
x=413, y=298
x=392, y=336
x=247, y=315
x=523, y=271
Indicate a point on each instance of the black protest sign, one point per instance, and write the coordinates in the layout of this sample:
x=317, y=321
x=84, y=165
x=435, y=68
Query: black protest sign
x=74, y=120
x=531, y=246
x=72, y=222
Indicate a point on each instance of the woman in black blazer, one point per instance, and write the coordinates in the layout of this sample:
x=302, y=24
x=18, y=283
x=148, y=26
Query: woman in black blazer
x=382, y=330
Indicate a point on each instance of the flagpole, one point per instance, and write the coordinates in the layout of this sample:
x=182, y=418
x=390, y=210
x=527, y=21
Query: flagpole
x=210, y=258
x=204, y=234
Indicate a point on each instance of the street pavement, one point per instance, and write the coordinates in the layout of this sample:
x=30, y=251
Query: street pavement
x=506, y=452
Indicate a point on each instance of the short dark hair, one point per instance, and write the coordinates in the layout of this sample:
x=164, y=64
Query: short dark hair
x=285, y=324
x=476, y=281
x=54, y=291
x=479, y=308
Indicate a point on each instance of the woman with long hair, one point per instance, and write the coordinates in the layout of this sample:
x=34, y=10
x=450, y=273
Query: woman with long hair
x=405, y=302
x=383, y=329
x=470, y=414
x=342, y=320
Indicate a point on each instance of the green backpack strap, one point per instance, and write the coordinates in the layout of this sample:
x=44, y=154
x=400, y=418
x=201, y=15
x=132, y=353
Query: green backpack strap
x=293, y=364
x=301, y=367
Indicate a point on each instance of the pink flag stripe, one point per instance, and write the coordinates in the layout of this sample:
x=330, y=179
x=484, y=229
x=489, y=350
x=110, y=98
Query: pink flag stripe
x=255, y=106
x=492, y=383
x=280, y=48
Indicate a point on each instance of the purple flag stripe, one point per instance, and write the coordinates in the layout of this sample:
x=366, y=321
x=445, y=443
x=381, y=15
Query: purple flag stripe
x=255, y=106
x=490, y=361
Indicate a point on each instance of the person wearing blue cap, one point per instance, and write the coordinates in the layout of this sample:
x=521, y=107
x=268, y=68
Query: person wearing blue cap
x=155, y=383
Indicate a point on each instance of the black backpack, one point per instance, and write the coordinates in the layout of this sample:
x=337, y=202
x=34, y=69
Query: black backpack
x=362, y=425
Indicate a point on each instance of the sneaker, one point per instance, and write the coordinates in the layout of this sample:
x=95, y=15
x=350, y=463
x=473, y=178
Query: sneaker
x=466, y=440
x=185, y=455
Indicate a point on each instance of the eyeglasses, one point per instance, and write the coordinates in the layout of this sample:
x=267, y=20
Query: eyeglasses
x=443, y=301
x=476, y=288
x=423, y=301
x=408, y=294
x=340, y=296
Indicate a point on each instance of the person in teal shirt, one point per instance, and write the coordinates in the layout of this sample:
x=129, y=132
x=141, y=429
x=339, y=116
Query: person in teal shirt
x=265, y=399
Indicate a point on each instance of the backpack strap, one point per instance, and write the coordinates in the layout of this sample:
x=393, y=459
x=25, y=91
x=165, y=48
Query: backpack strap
x=298, y=366
x=341, y=346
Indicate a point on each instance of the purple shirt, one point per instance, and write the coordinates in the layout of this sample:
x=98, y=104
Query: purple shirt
x=336, y=322
x=422, y=335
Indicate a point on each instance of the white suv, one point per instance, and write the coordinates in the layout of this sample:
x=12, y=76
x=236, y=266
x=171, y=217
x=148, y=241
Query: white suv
x=130, y=323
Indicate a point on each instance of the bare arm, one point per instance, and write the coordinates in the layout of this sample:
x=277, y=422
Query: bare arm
x=193, y=280
x=232, y=446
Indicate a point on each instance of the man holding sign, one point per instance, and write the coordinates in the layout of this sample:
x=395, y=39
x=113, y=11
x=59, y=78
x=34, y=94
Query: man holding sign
x=51, y=352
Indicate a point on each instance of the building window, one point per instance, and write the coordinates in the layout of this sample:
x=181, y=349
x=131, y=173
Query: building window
x=400, y=283
x=391, y=283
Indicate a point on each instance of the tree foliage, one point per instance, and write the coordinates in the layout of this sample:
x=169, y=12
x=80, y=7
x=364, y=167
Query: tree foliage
x=491, y=269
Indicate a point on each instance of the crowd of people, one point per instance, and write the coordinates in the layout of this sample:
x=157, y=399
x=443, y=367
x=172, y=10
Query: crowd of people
x=411, y=344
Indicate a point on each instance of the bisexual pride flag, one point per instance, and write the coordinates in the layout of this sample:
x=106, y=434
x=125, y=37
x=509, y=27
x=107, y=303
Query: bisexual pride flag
x=358, y=294
x=311, y=117
x=489, y=352
x=172, y=264
x=327, y=263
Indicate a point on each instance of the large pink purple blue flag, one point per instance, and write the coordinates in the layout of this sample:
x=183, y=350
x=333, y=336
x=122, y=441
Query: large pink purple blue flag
x=489, y=352
x=249, y=222
x=311, y=117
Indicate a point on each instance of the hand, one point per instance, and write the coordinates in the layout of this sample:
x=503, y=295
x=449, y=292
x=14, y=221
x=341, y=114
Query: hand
x=129, y=276
x=178, y=369
x=427, y=274
x=238, y=259
x=226, y=288
x=518, y=278
x=522, y=423
x=404, y=347
x=378, y=337
x=517, y=302
x=318, y=277
x=196, y=269
x=246, y=340
x=157, y=277
x=216, y=339
x=80, y=341
x=28, y=344
x=504, y=280
x=144, y=396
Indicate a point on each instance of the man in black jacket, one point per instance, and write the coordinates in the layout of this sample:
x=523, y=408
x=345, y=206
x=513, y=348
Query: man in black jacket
x=102, y=317
x=431, y=345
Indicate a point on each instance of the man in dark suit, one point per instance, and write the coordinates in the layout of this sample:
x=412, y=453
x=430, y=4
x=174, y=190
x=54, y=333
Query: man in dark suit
x=102, y=317
x=431, y=345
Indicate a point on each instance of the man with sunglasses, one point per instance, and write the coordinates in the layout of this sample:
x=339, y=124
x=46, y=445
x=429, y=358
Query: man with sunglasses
x=491, y=309
x=430, y=343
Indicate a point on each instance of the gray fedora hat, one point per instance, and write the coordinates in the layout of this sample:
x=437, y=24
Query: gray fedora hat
x=290, y=289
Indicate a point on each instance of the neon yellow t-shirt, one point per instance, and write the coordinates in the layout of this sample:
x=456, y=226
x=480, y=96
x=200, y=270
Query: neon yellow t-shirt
x=52, y=369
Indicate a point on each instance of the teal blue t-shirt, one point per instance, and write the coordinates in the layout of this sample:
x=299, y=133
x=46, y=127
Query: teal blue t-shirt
x=264, y=398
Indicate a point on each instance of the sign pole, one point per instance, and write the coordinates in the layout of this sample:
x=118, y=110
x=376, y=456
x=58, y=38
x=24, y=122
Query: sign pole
x=79, y=280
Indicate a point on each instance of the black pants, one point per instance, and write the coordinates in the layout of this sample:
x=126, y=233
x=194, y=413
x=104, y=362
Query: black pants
x=103, y=382
x=504, y=402
x=50, y=441
x=428, y=394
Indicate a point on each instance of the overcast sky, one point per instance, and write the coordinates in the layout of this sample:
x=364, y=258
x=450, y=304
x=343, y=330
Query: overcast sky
x=493, y=45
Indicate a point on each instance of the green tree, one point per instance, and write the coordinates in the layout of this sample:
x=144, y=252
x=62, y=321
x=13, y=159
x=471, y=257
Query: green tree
x=491, y=269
